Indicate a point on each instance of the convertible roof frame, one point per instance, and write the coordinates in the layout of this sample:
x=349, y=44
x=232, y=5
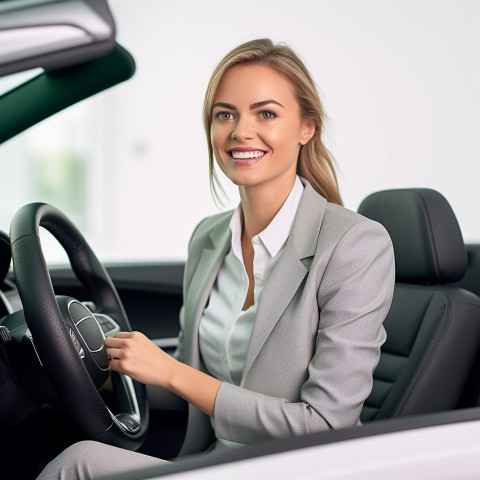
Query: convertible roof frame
x=53, y=33
x=55, y=90
x=73, y=41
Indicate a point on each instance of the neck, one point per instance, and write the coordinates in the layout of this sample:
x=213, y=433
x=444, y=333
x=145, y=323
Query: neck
x=260, y=204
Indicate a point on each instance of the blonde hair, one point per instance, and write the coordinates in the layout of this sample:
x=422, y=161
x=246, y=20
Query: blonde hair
x=315, y=163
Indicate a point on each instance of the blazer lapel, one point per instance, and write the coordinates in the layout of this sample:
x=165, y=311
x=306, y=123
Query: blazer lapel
x=201, y=285
x=289, y=272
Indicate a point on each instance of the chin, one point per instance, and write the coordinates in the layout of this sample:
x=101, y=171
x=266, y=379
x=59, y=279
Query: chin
x=243, y=181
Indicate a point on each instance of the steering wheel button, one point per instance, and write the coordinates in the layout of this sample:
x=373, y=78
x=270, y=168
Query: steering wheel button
x=91, y=333
x=128, y=423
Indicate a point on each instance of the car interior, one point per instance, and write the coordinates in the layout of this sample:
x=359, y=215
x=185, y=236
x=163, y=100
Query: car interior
x=430, y=362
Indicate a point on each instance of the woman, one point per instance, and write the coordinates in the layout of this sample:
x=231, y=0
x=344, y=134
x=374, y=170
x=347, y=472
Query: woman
x=284, y=298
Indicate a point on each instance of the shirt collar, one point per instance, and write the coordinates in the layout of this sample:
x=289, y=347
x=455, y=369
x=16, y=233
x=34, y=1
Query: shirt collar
x=276, y=233
x=236, y=225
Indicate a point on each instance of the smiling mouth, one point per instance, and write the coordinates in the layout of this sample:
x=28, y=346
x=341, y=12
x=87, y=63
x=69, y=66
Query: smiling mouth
x=239, y=155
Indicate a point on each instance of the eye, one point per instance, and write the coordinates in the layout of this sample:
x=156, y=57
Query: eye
x=224, y=116
x=268, y=115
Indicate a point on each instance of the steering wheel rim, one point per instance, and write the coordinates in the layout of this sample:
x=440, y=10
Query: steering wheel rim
x=53, y=342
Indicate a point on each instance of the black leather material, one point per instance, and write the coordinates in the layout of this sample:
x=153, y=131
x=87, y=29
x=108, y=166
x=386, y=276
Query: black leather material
x=426, y=238
x=432, y=337
x=471, y=280
x=5, y=255
x=433, y=330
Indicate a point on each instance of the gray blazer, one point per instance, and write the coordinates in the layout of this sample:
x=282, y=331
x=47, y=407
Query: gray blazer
x=318, y=330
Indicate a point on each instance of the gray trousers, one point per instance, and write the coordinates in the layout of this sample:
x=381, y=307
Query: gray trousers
x=89, y=460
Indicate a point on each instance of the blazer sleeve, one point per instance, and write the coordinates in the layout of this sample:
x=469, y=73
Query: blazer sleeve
x=353, y=297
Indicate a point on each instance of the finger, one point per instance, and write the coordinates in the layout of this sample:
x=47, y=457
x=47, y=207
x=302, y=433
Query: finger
x=123, y=335
x=113, y=353
x=118, y=365
x=115, y=365
x=114, y=342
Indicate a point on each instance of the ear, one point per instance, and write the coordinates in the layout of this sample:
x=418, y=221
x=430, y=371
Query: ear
x=308, y=130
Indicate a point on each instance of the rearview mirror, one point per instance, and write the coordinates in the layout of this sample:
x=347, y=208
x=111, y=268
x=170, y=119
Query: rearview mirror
x=53, y=34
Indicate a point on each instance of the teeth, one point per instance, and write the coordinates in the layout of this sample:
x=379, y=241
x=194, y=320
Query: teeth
x=251, y=154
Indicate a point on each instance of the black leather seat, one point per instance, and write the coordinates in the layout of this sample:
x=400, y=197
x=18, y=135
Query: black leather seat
x=471, y=281
x=433, y=329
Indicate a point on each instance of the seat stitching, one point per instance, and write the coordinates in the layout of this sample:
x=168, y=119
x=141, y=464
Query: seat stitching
x=431, y=236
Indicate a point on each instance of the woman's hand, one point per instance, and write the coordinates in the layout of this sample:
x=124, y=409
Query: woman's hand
x=133, y=354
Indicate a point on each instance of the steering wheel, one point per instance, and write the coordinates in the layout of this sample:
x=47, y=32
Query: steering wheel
x=67, y=335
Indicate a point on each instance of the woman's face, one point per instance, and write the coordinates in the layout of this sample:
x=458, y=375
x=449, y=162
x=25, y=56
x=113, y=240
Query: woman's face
x=257, y=129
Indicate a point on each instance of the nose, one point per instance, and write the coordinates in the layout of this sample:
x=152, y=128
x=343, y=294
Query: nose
x=243, y=129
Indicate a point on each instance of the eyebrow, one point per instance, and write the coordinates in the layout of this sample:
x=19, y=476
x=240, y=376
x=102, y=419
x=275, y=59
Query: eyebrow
x=263, y=103
x=253, y=106
x=224, y=105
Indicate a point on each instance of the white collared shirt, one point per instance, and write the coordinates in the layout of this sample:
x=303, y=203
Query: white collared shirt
x=225, y=328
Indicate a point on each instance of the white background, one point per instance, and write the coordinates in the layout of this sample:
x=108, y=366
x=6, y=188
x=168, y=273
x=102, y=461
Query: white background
x=400, y=81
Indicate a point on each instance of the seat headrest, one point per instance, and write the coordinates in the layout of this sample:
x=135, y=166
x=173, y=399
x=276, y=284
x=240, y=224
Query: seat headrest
x=426, y=237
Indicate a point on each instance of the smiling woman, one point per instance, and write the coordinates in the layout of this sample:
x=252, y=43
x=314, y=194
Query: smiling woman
x=284, y=297
x=249, y=135
x=301, y=104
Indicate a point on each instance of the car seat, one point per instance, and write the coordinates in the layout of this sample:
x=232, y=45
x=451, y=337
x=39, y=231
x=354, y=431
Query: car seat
x=471, y=280
x=433, y=329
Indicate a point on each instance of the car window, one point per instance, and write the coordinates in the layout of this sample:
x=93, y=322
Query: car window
x=401, y=87
x=47, y=163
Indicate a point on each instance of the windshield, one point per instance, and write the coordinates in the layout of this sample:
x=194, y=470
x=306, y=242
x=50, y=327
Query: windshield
x=400, y=82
